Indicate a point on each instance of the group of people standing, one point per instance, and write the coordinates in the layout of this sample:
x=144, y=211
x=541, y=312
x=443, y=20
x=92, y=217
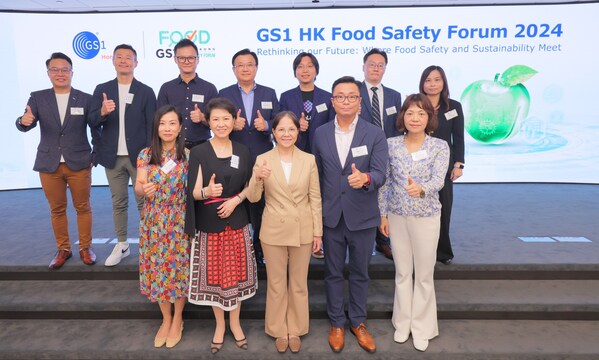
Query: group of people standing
x=217, y=199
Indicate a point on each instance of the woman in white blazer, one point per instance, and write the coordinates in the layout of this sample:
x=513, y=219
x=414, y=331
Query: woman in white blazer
x=291, y=230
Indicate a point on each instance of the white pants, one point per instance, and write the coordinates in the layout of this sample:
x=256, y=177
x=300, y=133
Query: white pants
x=414, y=245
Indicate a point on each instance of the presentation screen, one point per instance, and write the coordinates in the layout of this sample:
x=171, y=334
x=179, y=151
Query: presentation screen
x=524, y=74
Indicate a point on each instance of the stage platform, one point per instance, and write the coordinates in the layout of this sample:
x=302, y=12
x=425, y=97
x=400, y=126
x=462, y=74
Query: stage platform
x=524, y=285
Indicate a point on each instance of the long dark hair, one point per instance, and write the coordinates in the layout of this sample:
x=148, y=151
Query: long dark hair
x=156, y=146
x=445, y=91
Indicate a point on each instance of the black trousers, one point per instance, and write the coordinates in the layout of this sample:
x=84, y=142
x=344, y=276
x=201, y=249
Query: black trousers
x=444, y=250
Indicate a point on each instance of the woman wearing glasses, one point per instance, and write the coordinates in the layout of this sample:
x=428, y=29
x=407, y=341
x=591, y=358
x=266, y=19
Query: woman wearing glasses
x=291, y=230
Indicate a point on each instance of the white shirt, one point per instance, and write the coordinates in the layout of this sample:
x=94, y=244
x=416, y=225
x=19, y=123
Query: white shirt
x=343, y=139
x=381, y=97
x=123, y=97
x=286, y=170
x=62, y=100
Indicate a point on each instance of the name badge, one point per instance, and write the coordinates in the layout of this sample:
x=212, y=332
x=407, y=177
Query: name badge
x=419, y=155
x=197, y=98
x=166, y=168
x=235, y=161
x=322, y=107
x=266, y=105
x=451, y=114
x=76, y=111
x=391, y=110
x=359, y=151
x=129, y=98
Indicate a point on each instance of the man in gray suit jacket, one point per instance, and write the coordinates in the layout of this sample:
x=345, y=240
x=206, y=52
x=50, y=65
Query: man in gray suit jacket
x=380, y=106
x=64, y=156
x=124, y=109
x=352, y=157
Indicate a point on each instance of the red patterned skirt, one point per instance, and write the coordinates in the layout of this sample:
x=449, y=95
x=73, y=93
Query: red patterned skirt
x=223, y=268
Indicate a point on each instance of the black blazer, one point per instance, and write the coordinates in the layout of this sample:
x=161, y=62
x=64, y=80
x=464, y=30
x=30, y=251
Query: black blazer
x=68, y=139
x=451, y=130
x=391, y=106
x=139, y=116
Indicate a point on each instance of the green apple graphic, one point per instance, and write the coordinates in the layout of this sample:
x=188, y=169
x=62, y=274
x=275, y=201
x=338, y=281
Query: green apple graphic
x=494, y=110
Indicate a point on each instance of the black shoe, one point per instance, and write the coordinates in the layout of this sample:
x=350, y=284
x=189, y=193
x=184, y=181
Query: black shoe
x=260, y=261
x=385, y=250
x=445, y=261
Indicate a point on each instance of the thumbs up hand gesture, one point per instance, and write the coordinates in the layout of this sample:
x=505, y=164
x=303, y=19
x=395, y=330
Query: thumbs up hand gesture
x=213, y=189
x=108, y=106
x=413, y=188
x=304, y=124
x=259, y=122
x=357, y=179
x=239, y=122
x=197, y=116
x=28, y=118
x=263, y=172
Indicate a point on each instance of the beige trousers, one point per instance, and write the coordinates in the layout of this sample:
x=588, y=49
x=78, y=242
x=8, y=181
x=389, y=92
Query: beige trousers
x=287, y=309
x=414, y=245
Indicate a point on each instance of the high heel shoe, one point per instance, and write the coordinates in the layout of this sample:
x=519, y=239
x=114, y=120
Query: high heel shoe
x=159, y=341
x=215, y=347
x=242, y=344
x=171, y=342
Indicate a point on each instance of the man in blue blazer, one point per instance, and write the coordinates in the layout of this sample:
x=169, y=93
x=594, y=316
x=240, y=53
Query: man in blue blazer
x=384, y=115
x=352, y=157
x=64, y=156
x=123, y=109
x=311, y=104
x=256, y=106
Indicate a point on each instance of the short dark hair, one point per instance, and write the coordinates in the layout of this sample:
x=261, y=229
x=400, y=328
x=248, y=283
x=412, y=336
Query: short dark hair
x=245, y=52
x=156, y=144
x=185, y=43
x=346, y=80
x=375, y=51
x=59, y=55
x=126, y=47
x=422, y=102
x=220, y=103
x=281, y=115
x=298, y=60
x=444, y=91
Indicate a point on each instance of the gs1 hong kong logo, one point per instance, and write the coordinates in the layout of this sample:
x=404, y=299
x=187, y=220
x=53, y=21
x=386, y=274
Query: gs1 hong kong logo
x=87, y=45
x=169, y=39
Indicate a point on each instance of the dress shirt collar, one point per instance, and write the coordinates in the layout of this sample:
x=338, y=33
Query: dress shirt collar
x=352, y=126
x=243, y=91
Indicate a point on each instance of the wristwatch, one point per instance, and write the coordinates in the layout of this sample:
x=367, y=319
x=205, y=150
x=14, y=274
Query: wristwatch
x=461, y=166
x=422, y=194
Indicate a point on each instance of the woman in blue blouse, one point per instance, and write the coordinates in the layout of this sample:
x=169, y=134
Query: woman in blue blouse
x=410, y=213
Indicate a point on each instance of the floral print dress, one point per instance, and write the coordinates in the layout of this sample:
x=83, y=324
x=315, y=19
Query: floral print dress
x=163, y=245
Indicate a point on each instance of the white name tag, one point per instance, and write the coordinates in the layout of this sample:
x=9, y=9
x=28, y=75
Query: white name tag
x=322, y=107
x=170, y=164
x=359, y=151
x=266, y=105
x=451, y=114
x=129, y=98
x=197, y=98
x=76, y=111
x=391, y=110
x=419, y=155
x=235, y=161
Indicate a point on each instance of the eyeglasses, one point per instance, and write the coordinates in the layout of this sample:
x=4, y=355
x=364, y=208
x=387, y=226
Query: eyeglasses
x=380, y=66
x=281, y=131
x=349, y=98
x=54, y=70
x=184, y=59
x=245, y=66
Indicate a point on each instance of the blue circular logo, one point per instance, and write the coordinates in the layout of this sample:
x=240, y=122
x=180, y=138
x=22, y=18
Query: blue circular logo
x=86, y=45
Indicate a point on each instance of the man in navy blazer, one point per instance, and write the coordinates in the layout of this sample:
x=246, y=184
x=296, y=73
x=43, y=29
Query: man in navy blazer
x=352, y=157
x=384, y=115
x=256, y=106
x=64, y=156
x=311, y=104
x=123, y=109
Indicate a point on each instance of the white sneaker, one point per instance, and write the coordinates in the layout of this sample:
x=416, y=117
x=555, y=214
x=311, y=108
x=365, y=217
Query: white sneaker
x=120, y=251
x=420, y=345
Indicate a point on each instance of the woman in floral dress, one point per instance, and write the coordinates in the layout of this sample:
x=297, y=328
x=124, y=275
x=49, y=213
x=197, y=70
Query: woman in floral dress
x=163, y=245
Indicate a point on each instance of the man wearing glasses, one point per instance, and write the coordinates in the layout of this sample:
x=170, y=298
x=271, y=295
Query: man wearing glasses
x=64, y=156
x=188, y=93
x=380, y=106
x=256, y=106
x=123, y=108
x=351, y=155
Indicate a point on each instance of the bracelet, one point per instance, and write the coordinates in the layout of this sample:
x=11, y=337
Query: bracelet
x=202, y=193
x=240, y=199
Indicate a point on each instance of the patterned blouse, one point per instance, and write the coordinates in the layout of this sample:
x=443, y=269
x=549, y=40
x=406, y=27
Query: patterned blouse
x=426, y=166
